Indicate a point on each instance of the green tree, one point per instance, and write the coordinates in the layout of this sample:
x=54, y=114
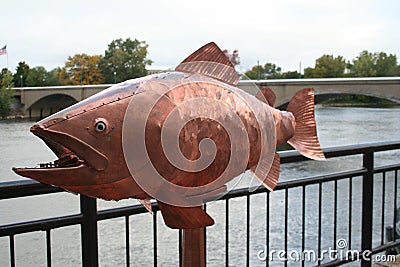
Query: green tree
x=82, y=69
x=288, y=75
x=21, y=74
x=6, y=96
x=253, y=73
x=327, y=66
x=378, y=64
x=37, y=76
x=386, y=65
x=125, y=59
x=363, y=65
x=268, y=70
x=56, y=77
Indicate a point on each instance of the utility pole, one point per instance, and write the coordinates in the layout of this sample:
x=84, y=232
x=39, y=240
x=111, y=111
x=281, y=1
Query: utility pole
x=300, y=70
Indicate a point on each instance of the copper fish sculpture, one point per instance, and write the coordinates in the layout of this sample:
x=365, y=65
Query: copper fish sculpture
x=177, y=137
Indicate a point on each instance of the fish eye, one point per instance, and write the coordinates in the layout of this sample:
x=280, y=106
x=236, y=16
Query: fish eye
x=100, y=126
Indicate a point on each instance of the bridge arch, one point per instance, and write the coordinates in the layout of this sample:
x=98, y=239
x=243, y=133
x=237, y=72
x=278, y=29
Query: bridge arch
x=324, y=96
x=321, y=97
x=50, y=104
x=373, y=90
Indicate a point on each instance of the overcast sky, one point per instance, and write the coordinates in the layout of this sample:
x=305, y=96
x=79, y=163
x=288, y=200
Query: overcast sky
x=285, y=32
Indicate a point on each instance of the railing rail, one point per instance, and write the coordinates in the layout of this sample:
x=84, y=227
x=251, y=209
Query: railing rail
x=89, y=215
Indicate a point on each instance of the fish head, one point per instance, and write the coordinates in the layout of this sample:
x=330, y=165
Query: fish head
x=87, y=139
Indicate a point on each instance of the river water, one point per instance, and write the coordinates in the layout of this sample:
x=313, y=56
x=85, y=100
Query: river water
x=336, y=126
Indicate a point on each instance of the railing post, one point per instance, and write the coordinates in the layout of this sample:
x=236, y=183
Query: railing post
x=367, y=204
x=89, y=232
x=193, y=252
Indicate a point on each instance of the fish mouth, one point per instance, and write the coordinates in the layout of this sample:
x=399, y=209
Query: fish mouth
x=66, y=157
x=73, y=155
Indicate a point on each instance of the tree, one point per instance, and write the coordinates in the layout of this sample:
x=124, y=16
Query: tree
x=363, y=65
x=56, y=77
x=386, y=65
x=376, y=64
x=327, y=66
x=21, y=74
x=253, y=73
x=269, y=70
x=6, y=96
x=125, y=59
x=287, y=75
x=82, y=69
x=37, y=76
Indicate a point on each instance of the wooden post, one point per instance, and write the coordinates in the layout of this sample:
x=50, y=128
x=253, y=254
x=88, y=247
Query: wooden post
x=193, y=248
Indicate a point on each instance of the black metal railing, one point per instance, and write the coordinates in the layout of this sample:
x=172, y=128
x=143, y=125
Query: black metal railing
x=299, y=211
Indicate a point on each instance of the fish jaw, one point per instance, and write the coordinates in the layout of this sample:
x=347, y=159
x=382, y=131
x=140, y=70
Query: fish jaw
x=76, y=160
x=82, y=179
x=53, y=175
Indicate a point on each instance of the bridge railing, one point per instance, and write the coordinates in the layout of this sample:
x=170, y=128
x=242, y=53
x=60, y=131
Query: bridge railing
x=297, y=210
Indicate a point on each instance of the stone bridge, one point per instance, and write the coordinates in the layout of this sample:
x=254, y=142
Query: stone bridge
x=380, y=87
x=43, y=101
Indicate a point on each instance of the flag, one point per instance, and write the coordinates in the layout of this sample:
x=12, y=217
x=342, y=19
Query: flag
x=3, y=51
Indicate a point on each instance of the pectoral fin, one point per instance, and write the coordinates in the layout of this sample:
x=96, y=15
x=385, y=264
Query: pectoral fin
x=184, y=217
x=271, y=180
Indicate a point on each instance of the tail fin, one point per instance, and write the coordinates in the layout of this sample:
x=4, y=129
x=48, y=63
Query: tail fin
x=305, y=139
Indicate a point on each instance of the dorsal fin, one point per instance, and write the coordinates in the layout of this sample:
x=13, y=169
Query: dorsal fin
x=211, y=61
